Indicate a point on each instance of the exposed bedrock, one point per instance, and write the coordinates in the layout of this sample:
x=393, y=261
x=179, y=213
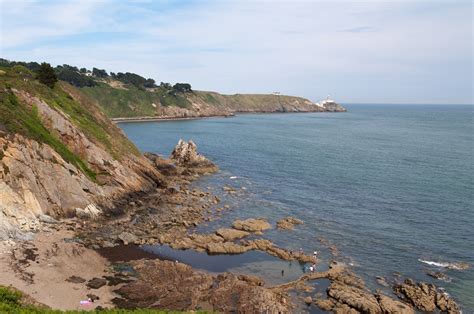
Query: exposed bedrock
x=176, y=286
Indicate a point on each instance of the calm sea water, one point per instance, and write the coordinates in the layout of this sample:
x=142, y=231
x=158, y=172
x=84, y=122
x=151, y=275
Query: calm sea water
x=388, y=185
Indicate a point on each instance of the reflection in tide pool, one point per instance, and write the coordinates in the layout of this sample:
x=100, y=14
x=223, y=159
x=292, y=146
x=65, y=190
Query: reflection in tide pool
x=273, y=270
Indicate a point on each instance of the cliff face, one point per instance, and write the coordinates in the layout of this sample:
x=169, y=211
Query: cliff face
x=60, y=155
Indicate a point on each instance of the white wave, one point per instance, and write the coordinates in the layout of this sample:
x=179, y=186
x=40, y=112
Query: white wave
x=233, y=177
x=456, y=266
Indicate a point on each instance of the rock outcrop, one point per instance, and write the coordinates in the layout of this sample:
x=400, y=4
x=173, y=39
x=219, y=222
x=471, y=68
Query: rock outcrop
x=426, y=297
x=36, y=179
x=288, y=223
x=176, y=286
x=251, y=225
x=185, y=154
x=231, y=234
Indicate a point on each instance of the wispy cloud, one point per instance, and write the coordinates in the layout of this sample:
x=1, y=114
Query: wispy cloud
x=360, y=29
x=406, y=51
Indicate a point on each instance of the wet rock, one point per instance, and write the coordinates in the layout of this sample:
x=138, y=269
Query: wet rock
x=229, y=189
x=251, y=225
x=227, y=248
x=127, y=237
x=288, y=223
x=308, y=300
x=356, y=298
x=446, y=304
x=425, y=297
x=324, y=304
x=75, y=279
x=255, y=280
x=438, y=275
x=96, y=283
x=341, y=308
x=231, y=234
x=389, y=305
x=381, y=281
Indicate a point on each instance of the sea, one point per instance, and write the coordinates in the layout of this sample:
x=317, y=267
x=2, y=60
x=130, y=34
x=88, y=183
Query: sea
x=387, y=189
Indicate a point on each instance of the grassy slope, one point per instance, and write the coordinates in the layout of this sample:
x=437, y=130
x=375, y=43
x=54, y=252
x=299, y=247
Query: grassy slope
x=18, y=117
x=133, y=102
x=248, y=102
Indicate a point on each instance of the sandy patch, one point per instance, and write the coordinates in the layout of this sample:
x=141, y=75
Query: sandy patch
x=40, y=268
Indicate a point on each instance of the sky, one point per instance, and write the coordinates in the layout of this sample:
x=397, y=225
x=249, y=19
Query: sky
x=406, y=51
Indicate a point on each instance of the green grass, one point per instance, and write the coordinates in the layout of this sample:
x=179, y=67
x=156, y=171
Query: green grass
x=132, y=102
x=17, y=118
x=13, y=301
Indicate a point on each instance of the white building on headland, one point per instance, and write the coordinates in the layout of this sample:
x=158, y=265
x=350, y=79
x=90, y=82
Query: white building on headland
x=324, y=102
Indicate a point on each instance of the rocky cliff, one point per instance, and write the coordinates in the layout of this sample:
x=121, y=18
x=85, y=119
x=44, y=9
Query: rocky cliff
x=60, y=155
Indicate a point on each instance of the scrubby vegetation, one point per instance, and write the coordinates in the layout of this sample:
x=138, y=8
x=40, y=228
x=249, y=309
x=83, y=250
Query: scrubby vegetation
x=46, y=75
x=14, y=302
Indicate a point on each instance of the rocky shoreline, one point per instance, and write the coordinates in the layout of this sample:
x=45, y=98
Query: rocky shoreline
x=167, y=215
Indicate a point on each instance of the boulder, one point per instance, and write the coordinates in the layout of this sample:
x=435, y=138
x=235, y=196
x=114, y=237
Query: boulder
x=96, y=283
x=308, y=300
x=47, y=219
x=251, y=225
x=127, y=238
x=438, y=275
x=90, y=211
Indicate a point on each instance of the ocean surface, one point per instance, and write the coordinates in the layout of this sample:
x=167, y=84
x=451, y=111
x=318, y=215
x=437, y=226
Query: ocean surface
x=391, y=186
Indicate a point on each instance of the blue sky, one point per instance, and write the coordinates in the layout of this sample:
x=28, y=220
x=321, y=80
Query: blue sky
x=368, y=52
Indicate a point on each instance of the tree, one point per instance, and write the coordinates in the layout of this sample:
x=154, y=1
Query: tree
x=150, y=83
x=83, y=70
x=182, y=87
x=46, y=75
x=75, y=78
x=99, y=73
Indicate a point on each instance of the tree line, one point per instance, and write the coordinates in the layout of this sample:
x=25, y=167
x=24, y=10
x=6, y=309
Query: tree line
x=83, y=77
